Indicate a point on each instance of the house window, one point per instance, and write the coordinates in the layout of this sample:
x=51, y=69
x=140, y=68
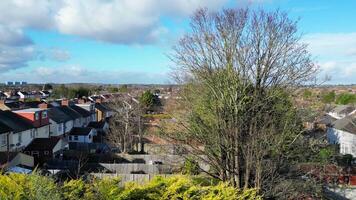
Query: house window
x=19, y=137
x=59, y=127
x=44, y=114
x=75, y=137
x=89, y=136
x=70, y=137
x=3, y=140
x=46, y=153
x=37, y=116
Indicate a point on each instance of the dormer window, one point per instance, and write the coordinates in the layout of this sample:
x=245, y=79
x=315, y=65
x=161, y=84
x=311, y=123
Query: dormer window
x=37, y=116
x=44, y=114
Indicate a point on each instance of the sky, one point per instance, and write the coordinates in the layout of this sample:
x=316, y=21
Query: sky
x=127, y=41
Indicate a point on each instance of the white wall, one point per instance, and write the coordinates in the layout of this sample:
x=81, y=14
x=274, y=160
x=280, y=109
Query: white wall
x=3, y=137
x=26, y=138
x=54, y=128
x=346, y=140
x=83, y=139
x=68, y=126
x=42, y=132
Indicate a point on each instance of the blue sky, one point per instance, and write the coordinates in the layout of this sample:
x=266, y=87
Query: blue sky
x=127, y=41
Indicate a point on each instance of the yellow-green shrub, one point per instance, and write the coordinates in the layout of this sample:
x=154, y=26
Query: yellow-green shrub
x=37, y=187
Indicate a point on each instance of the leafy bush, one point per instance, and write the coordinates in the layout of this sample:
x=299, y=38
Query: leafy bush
x=34, y=186
x=191, y=167
x=328, y=97
x=346, y=98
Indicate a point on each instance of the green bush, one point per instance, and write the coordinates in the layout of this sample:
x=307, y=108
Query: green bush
x=191, y=167
x=34, y=187
x=346, y=98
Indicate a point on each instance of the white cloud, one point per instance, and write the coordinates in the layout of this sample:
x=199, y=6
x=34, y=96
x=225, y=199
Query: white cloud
x=116, y=21
x=79, y=74
x=336, y=54
x=15, y=57
x=332, y=44
x=59, y=54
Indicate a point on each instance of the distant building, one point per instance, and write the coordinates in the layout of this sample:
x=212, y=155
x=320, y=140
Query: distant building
x=17, y=83
x=9, y=83
x=23, y=83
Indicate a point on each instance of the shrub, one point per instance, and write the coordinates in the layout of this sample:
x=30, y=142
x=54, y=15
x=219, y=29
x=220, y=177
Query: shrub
x=346, y=98
x=36, y=187
x=191, y=167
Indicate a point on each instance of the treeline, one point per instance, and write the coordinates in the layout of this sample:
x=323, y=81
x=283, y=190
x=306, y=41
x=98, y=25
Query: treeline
x=331, y=97
x=70, y=92
x=34, y=186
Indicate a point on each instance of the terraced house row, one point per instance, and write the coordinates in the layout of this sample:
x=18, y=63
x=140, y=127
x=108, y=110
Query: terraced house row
x=43, y=129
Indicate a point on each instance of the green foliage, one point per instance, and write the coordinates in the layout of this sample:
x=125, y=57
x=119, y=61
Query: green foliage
x=36, y=187
x=123, y=89
x=328, y=97
x=158, y=116
x=47, y=86
x=307, y=94
x=20, y=186
x=147, y=99
x=345, y=160
x=325, y=155
x=64, y=92
x=346, y=98
x=191, y=167
x=113, y=89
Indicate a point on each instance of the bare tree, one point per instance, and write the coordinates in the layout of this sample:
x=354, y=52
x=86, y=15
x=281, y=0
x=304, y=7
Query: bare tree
x=238, y=68
x=126, y=125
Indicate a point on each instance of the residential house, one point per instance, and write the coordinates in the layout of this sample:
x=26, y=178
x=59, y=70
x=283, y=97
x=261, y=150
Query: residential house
x=12, y=105
x=61, y=123
x=12, y=95
x=24, y=95
x=76, y=117
x=342, y=111
x=5, y=133
x=23, y=131
x=343, y=132
x=45, y=94
x=39, y=119
x=82, y=135
x=86, y=116
x=102, y=112
x=101, y=126
x=2, y=96
x=11, y=160
x=43, y=149
x=89, y=106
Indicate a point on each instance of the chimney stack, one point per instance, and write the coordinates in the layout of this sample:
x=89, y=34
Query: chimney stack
x=81, y=101
x=65, y=102
x=43, y=105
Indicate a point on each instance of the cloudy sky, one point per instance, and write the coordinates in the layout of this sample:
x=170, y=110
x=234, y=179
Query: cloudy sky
x=126, y=41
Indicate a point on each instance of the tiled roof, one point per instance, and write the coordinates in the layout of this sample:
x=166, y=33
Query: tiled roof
x=80, y=131
x=81, y=111
x=57, y=115
x=70, y=112
x=97, y=125
x=101, y=107
x=347, y=124
x=41, y=144
x=4, y=128
x=14, y=121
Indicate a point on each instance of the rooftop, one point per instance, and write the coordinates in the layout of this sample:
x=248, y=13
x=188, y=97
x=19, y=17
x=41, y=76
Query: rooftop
x=80, y=131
